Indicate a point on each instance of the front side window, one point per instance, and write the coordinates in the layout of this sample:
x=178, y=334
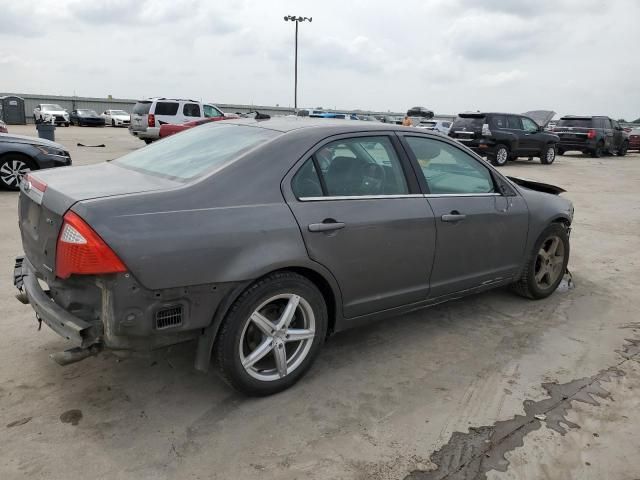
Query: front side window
x=191, y=110
x=362, y=166
x=210, y=111
x=514, y=123
x=529, y=125
x=448, y=170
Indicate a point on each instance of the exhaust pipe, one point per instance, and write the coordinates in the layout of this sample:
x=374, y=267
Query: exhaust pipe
x=74, y=355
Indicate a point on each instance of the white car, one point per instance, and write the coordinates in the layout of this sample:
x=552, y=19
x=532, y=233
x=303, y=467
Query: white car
x=149, y=114
x=440, y=126
x=51, y=113
x=116, y=118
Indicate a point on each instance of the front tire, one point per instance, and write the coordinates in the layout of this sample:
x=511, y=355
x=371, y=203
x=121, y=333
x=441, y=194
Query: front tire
x=548, y=155
x=622, y=151
x=500, y=157
x=272, y=334
x=599, y=150
x=12, y=169
x=546, y=264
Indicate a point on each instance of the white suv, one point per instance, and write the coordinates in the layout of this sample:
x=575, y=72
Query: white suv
x=148, y=115
x=51, y=113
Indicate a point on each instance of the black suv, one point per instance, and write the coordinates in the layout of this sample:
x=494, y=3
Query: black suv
x=592, y=135
x=504, y=136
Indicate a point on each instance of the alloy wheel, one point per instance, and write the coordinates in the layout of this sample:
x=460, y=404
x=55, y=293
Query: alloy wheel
x=12, y=171
x=502, y=156
x=277, y=337
x=549, y=262
x=551, y=154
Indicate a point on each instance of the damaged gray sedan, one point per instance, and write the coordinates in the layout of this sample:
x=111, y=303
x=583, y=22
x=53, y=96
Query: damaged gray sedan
x=256, y=240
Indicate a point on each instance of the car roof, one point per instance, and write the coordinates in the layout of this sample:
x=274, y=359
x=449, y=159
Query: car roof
x=336, y=126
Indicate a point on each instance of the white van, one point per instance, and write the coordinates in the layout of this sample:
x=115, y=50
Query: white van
x=148, y=115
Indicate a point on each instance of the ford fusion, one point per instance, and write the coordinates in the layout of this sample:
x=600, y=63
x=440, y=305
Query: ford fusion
x=256, y=240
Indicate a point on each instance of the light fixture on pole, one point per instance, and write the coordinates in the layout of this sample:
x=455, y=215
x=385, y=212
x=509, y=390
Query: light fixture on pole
x=293, y=18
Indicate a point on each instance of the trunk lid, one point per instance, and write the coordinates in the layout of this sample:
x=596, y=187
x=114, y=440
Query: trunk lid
x=40, y=218
x=139, y=116
x=468, y=126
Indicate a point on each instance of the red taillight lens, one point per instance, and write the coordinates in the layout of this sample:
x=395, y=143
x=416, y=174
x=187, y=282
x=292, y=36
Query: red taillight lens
x=81, y=251
x=151, y=120
x=35, y=183
x=591, y=134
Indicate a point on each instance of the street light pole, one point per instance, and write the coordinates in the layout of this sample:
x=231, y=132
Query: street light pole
x=293, y=18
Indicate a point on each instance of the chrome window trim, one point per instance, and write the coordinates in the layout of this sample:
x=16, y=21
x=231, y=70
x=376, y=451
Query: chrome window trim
x=359, y=197
x=412, y=195
x=435, y=195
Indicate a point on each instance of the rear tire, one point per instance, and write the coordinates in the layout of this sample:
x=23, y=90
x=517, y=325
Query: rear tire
x=113, y=123
x=548, y=155
x=500, y=157
x=12, y=167
x=622, y=151
x=147, y=141
x=281, y=361
x=542, y=272
x=559, y=151
x=599, y=150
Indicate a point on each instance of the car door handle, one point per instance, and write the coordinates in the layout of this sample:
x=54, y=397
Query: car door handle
x=326, y=226
x=453, y=217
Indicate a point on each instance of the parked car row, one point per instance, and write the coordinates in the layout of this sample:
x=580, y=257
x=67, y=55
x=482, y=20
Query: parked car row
x=504, y=136
x=53, y=113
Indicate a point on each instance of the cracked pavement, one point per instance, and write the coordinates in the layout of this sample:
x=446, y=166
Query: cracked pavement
x=381, y=401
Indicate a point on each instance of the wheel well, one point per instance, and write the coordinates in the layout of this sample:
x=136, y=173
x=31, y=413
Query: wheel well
x=563, y=221
x=324, y=287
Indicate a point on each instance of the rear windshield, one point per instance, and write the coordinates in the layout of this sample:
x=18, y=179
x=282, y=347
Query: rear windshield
x=471, y=123
x=574, y=122
x=196, y=151
x=141, y=108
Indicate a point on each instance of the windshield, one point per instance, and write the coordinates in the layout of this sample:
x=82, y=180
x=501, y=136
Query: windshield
x=52, y=108
x=118, y=112
x=574, y=122
x=87, y=112
x=196, y=151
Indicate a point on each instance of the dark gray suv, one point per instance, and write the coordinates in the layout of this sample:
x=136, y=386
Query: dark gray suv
x=591, y=135
x=258, y=239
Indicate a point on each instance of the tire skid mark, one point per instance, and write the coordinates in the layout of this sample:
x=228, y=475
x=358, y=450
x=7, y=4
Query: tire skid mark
x=469, y=456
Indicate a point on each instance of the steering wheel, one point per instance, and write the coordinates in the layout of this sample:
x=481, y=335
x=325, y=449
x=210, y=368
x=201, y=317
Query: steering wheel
x=373, y=179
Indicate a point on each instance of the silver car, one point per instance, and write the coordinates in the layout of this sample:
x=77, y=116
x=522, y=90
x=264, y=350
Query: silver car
x=256, y=240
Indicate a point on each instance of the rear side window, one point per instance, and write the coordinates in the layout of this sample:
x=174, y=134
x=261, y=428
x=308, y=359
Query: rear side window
x=196, y=151
x=448, y=170
x=166, y=108
x=499, y=121
x=142, y=108
x=191, y=110
x=306, y=183
x=574, y=122
x=470, y=123
x=514, y=123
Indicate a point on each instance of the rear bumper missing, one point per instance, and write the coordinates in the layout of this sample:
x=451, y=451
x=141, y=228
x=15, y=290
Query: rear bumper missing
x=82, y=334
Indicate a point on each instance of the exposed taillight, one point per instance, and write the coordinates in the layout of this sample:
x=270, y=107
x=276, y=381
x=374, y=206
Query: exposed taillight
x=485, y=130
x=81, y=251
x=35, y=183
x=151, y=120
x=591, y=134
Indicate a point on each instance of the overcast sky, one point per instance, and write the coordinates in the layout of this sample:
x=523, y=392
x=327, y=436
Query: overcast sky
x=571, y=56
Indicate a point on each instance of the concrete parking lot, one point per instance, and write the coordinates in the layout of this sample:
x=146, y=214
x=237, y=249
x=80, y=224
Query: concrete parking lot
x=492, y=386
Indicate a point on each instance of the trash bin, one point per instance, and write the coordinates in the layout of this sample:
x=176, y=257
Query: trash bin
x=46, y=131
